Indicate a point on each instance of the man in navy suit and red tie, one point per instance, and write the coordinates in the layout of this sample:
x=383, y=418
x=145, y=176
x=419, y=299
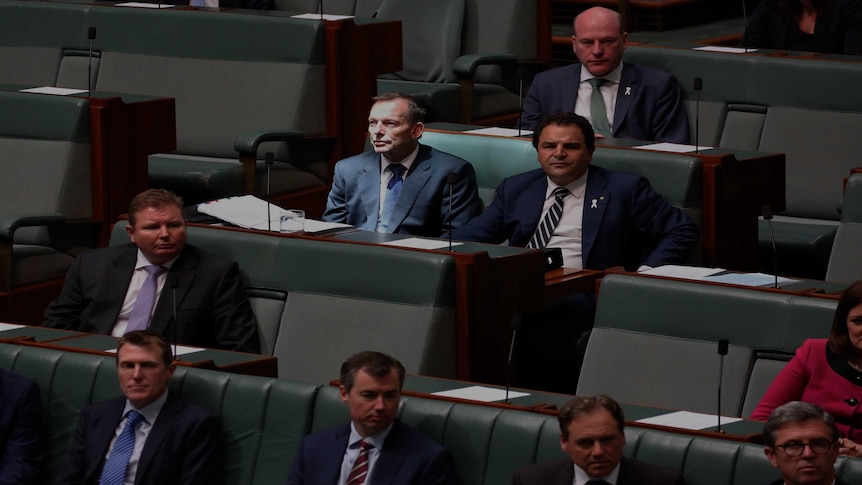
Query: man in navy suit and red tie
x=149, y=436
x=375, y=447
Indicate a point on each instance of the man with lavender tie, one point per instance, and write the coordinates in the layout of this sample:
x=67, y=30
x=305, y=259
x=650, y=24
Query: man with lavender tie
x=140, y=285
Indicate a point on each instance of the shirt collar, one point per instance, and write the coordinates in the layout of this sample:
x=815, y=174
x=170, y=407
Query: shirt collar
x=407, y=162
x=582, y=477
x=151, y=411
x=613, y=76
x=375, y=440
x=143, y=261
x=577, y=188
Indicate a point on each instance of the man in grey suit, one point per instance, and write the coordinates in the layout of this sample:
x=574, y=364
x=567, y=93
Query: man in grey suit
x=591, y=432
x=402, y=186
x=100, y=294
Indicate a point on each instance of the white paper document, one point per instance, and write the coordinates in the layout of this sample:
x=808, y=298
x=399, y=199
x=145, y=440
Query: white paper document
x=480, y=393
x=317, y=16
x=678, y=271
x=748, y=279
x=53, y=90
x=719, y=48
x=688, y=420
x=181, y=350
x=500, y=131
x=313, y=225
x=144, y=5
x=671, y=147
x=9, y=326
x=419, y=243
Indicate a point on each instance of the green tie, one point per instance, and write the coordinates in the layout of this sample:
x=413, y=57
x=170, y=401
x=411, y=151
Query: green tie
x=597, y=108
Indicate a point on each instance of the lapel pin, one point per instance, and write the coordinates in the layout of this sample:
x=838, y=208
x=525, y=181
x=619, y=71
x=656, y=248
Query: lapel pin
x=628, y=90
x=594, y=205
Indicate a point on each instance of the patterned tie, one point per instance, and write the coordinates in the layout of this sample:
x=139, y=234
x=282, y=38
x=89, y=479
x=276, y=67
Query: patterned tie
x=393, y=190
x=114, y=472
x=549, y=223
x=360, y=466
x=143, y=309
x=598, y=114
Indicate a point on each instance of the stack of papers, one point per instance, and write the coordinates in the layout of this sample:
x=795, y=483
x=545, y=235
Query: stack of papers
x=250, y=212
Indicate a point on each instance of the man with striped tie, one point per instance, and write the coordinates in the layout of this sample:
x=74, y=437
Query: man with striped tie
x=598, y=218
x=375, y=447
x=149, y=436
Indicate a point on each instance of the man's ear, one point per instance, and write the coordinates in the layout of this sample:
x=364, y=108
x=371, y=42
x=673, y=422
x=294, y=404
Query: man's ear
x=343, y=394
x=770, y=455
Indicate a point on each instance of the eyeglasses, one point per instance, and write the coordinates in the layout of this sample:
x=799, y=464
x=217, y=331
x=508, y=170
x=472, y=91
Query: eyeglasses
x=819, y=446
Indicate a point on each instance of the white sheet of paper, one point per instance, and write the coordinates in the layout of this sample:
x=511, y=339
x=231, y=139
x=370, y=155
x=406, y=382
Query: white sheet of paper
x=678, y=271
x=748, y=279
x=9, y=326
x=313, y=225
x=53, y=90
x=144, y=5
x=719, y=48
x=181, y=350
x=316, y=16
x=671, y=147
x=480, y=393
x=500, y=131
x=419, y=243
x=688, y=420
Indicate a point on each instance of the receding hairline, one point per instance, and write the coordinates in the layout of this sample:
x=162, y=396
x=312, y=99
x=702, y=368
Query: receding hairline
x=617, y=18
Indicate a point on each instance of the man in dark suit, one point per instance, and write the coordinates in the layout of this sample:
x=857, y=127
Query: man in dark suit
x=375, y=447
x=604, y=219
x=591, y=432
x=402, y=186
x=637, y=102
x=803, y=442
x=172, y=441
x=20, y=429
x=102, y=286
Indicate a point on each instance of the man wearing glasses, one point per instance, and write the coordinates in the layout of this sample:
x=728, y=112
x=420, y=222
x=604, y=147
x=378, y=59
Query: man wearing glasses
x=802, y=442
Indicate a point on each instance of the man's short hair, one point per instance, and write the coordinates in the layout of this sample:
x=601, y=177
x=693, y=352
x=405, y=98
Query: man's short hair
x=147, y=338
x=792, y=413
x=156, y=198
x=377, y=364
x=566, y=119
x=583, y=405
x=415, y=113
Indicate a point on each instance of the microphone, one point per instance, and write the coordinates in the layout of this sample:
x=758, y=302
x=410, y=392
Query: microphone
x=268, y=159
x=320, y=6
x=520, y=104
x=516, y=324
x=173, y=284
x=451, y=180
x=852, y=401
x=744, y=27
x=91, y=35
x=766, y=211
x=698, y=86
x=722, y=351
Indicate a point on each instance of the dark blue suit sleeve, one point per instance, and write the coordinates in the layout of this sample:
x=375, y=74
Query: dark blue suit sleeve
x=440, y=470
x=336, y=204
x=674, y=232
x=489, y=226
x=465, y=202
x=670, y=120
x=22, y=452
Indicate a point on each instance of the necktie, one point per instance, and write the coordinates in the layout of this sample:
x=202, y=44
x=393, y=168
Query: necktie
x=114, y=472
x=549, y=223
x=143, y=309
x=597, y=482
x=598, y=114
x=393, y=190
x=360, y=466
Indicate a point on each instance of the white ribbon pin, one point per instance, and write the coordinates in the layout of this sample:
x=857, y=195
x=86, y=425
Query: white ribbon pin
x=628, y=90
x=594, y=205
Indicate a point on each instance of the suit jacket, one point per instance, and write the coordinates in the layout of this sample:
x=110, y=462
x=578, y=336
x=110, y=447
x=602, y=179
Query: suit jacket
x=212, y=306
x=423, y=206
x=631, y=225
x=183, y=447
x=407, y=457
x=651, y=110
x=20, y=429
x=780, y=481
x=837, y=32
x=562, y=472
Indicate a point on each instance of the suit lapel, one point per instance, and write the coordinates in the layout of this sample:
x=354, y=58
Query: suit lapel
x=414, y=182
x=570, y=88
x=160, y=430
x=627, y=91
x=333, y=454
x=529, y=209
x=104, y=432
x=184, y=272
x=391, y=457
x=119, y=277
x=369, y=190
x=596, y=199
x=566, y=474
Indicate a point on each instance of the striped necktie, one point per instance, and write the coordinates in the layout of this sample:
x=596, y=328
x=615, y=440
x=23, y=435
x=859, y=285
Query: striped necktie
x=114, y=471
x=360, y=466
x=549, y=223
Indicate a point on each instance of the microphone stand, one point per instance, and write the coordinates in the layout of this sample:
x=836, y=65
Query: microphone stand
x=722, y=351
x=91, y=35
x=698, y=86
x=268, y=159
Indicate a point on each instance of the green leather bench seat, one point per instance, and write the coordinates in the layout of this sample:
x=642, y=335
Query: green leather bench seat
x=317, y=302
x=659, y=338
x=779, y=104
x=45, y=141
x=264, y=419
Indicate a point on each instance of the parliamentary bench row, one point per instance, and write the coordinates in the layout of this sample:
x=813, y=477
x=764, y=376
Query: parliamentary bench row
x=264, y=419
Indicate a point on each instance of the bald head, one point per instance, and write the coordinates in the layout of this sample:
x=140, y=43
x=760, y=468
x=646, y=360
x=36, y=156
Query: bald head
x=599, y=40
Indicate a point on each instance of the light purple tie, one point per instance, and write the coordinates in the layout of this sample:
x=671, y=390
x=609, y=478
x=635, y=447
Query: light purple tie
x=143, y=309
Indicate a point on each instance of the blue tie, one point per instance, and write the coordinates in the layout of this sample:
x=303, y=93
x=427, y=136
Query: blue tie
x=114, y=472
x=393, y=190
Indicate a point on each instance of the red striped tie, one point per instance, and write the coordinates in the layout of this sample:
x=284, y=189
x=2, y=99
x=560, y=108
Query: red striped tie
x=360, y=466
